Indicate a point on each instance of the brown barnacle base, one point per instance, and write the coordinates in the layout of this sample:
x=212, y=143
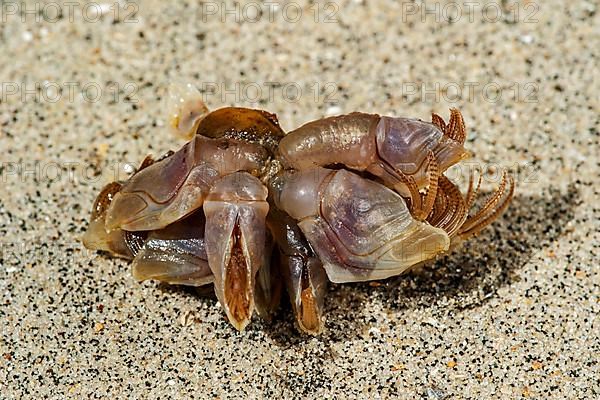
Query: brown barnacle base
x=441, y=203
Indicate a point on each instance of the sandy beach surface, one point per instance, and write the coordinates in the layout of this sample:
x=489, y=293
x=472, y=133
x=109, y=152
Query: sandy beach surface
x=513, y=314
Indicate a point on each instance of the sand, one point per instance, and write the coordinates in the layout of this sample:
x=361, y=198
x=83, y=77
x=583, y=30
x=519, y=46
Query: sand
x=513, y=314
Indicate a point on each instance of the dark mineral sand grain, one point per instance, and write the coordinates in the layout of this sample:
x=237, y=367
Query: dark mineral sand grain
x=512, y=314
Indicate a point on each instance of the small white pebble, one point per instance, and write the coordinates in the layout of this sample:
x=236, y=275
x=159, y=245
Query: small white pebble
x=330, y=55
x=10, y=270
x=186, y=318
x=435, y=323
x=170, y=382
x=526, y=39
x=27, y=36
x=333, y=110
x=129, y=168
x=434, y=394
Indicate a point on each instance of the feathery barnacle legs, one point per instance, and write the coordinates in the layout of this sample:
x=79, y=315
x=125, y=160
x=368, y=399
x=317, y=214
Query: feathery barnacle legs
x=451, y=211
x=455, y=129
x=421, y=202
x=492, y=209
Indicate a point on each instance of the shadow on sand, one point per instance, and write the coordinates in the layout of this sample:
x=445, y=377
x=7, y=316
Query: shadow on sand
x=462, y=279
